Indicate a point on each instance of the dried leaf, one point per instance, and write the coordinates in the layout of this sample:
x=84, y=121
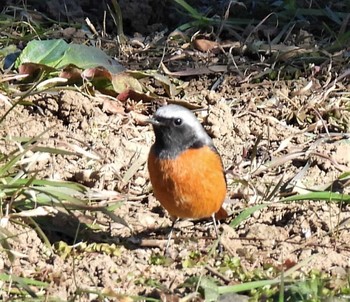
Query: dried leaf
x=113, y=107
x=206, y=45
x=71, y=73
x=122, y=82
x=39, y=211
x=96, y=72
x=135, y=96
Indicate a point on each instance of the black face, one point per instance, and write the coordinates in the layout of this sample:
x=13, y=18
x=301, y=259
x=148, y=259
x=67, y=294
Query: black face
x=173, y=136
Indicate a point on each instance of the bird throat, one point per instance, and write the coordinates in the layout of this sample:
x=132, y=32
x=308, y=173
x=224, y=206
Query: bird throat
x=171, y=147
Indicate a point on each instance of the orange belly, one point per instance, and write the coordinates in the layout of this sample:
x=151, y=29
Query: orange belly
x=192, y=185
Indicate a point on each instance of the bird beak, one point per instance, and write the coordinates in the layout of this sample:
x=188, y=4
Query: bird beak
x=153, y=121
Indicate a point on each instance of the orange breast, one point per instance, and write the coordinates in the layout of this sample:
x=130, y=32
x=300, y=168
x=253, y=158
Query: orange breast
x=190, y=186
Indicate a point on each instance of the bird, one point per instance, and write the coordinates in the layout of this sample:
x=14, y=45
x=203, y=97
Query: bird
x=185, y=168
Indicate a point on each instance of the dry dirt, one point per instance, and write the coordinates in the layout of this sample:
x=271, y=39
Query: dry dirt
x=282, y=234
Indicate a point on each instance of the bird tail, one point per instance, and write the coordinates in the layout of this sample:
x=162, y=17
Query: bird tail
x=221, y=214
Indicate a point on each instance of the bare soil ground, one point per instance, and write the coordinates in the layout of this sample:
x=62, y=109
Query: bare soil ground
x=281, y=234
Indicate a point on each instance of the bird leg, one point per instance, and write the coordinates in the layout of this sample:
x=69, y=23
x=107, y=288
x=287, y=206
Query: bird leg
x=170, y=234
x=217, y=233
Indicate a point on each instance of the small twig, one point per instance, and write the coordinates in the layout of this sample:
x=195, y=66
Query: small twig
x=332, y=160
x=91, y=26
x=322, y=120
x=153, y=243
x=217, y=274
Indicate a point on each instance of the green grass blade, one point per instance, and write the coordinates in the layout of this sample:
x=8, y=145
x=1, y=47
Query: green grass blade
x=52, y=183
x=245, y=214
x=40, y=233
x=6, y=247
x=246, y=286
x=191, y=10
x=281, y=291
x=326, y=196
x=6, y=278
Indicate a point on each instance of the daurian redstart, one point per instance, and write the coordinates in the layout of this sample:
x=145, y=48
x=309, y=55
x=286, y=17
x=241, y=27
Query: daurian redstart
x=185, y=168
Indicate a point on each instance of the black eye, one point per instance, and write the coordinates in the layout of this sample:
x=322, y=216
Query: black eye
x=177, y=122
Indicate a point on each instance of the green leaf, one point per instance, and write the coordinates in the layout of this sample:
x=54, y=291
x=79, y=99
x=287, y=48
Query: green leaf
x=58, y=54
x=84, y=57
x=47, y=52
x=211, y=291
